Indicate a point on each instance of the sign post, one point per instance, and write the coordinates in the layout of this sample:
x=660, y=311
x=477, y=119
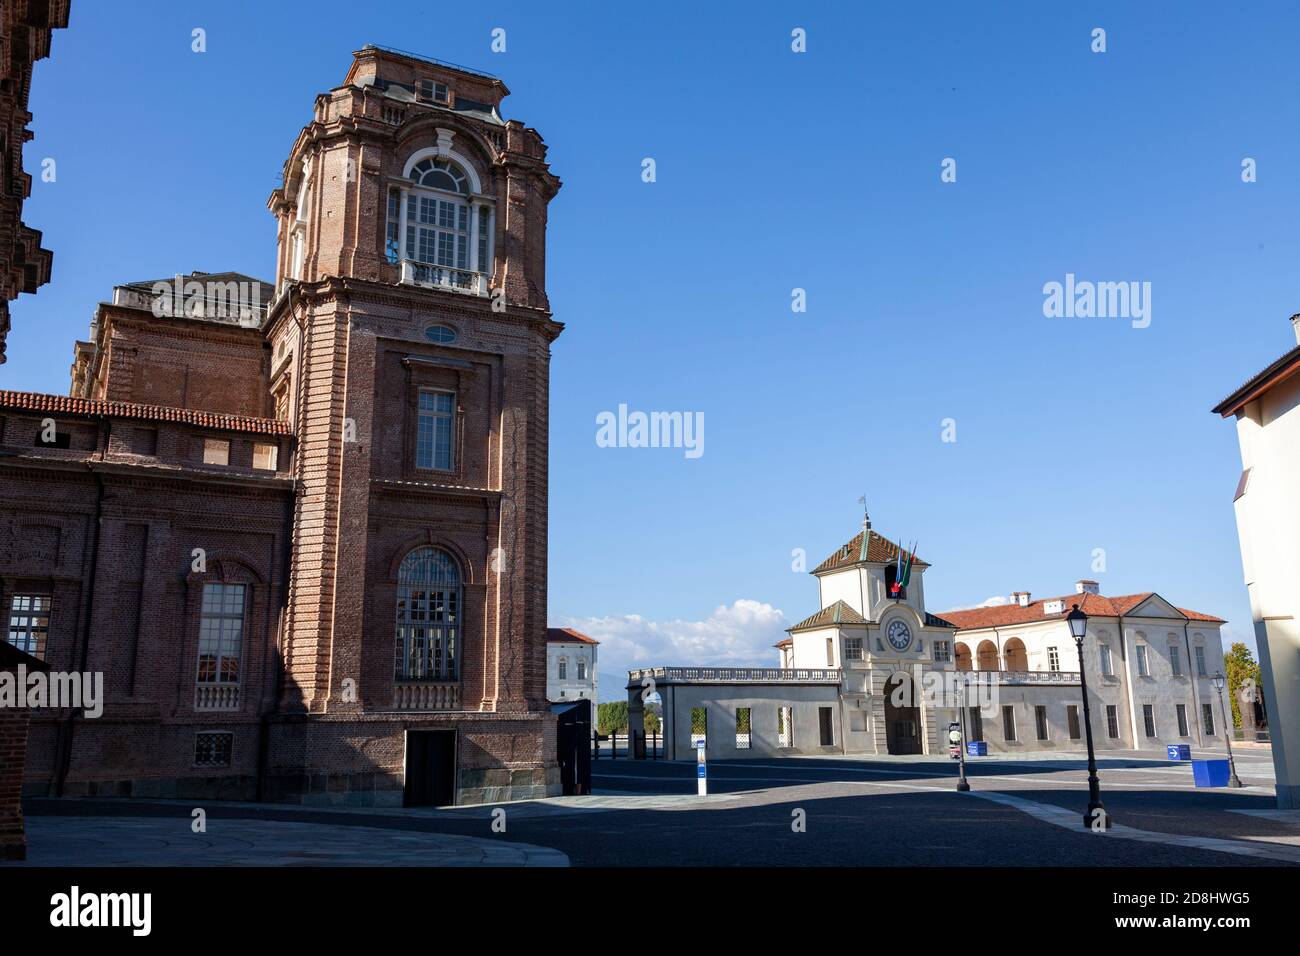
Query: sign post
x=701, y=769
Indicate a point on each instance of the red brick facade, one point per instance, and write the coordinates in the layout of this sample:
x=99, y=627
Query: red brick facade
x=328, y=371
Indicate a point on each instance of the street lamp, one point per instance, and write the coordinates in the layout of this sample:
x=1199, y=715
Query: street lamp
x=1217, y=683
x=962, y=785
x=1096, y=817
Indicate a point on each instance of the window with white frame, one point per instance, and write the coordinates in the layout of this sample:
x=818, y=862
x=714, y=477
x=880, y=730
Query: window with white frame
x=563, y=665
x=29, y=623
x=1181, y=711
x=438, y=221
x=1107, y=665
x=221, y=633
x=582, y=668
x=1053, y=659
x=1149, y=719
x=942, y=650
x=1144, y=667
x=1112, y=721
x=853, y=648
x=1200, y=661
x=1175, y=659
x=433, y=437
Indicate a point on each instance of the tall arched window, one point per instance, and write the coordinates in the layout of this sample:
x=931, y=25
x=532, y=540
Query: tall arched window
x=440, y=228
x=428, y=616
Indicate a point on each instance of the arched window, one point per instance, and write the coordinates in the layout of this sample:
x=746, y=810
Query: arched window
x=1016, y=657
x=428, y=616
x=439, y=229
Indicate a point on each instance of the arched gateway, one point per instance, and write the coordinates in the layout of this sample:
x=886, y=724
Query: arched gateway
x=902, y=716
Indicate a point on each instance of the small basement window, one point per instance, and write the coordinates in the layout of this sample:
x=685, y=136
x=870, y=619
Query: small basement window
x=264, y=456
x=213, y=749
x=216, y=451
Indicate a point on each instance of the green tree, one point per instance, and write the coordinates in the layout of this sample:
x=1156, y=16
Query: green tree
x=652, y=724
x=611, y=718
x=1240, y=667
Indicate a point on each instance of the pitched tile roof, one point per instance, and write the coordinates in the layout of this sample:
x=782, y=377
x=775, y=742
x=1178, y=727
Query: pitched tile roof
x=567, y=635
x=68, y=405
x=879, y=550
x=933, y=620
x=1094, y=605
x=837, y=613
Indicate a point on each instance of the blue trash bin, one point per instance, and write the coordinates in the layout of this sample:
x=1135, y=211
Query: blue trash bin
x=1210, y=773
x=1179, y=751
x=977, y=748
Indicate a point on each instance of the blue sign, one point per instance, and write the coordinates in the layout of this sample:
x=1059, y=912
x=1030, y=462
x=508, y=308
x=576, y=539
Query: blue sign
x=977, y=748
x=1179, y=751
x=699, y=770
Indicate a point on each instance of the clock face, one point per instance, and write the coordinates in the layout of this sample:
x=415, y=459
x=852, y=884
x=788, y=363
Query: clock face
x=899, y=634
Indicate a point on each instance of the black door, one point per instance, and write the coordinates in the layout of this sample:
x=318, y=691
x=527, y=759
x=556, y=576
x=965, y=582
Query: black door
x=902, y=717
x=430, y=768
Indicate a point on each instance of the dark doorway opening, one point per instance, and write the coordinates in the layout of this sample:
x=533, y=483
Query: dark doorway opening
x=430, y=768
x=902, y=716
x=573, y=745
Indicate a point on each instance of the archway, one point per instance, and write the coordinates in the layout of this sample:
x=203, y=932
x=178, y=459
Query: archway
x=1014, y=652
x=902, y=716
x=963, y=657
x=987, y=656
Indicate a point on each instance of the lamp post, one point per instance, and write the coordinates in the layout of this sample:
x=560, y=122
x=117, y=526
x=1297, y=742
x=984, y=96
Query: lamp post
x=962, y=785
x=1096, y=817
x=1217, y=683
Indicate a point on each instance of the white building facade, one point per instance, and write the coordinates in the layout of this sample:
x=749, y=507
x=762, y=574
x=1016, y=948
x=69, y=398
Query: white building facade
x=1267, y=505
x=873, y=672
x=570, y=666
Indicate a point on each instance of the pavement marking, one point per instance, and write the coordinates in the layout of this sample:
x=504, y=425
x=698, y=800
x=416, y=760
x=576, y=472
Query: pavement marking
x=1071, y=820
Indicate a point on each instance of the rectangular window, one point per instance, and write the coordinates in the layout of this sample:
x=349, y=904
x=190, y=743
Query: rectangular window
x=433, y=439
x=582, y=668
x=484, y=221
x=942, y=650
x=1207, y=718
x=392, y=238
x=699, y=725
x=1040, y=721
x=431, y=91
x=216, y=451
x=853, y=648
x=29, y=623
x=1200, y=662
x=1149, y=719
x=1072, y=720
x=264, y=456
x=1112, y=721
x=1181, y=710
x=785, y=726
x=826, y=727
x=213, y=749
x=221, y=633
x=564, y=669
x=1107, y=666
x=1175, y=660
x=743, y=729
x=1053, y=659
x=1008, y=722
x=830, y=652
x=976, y=724
x=1144, y=669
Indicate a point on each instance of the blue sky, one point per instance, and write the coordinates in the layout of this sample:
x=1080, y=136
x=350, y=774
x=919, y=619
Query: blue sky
x=778, y=170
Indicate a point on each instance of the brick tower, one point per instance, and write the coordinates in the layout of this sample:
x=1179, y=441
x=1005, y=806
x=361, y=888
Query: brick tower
x=410, y=348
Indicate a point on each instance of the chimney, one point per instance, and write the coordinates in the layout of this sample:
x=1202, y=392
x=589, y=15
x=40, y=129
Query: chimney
x=1021, y=598
x=1085, y=586
x=1295, y=326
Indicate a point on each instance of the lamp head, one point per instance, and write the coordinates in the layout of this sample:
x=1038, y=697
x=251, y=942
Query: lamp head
x=1078, y=622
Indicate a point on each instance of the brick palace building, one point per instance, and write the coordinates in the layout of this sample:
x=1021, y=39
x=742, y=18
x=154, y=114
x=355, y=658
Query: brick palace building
x=300, y=527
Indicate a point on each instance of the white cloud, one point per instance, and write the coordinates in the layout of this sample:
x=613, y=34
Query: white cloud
x=996, y=600
x=740, y=634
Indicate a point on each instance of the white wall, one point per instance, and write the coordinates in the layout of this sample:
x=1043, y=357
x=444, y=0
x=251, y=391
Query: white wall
x=570, y=688
x=1268, y=526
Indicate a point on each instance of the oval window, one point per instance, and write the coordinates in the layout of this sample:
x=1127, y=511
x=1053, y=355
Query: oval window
x=440, y=333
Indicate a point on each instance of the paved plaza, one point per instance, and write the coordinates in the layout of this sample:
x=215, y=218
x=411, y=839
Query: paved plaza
x=880, y=811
